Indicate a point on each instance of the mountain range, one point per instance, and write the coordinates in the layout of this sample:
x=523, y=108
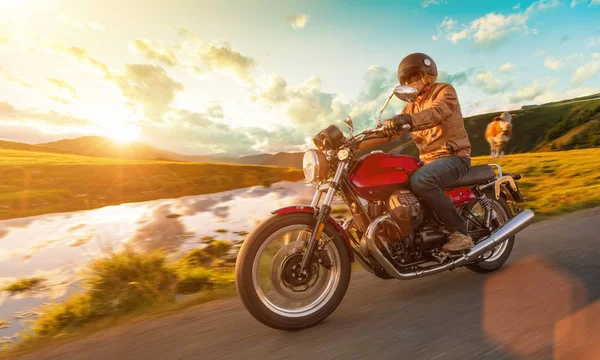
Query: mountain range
x=563, y=125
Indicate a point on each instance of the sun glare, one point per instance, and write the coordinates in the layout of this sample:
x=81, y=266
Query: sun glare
x=11, y=4
x=122, y=134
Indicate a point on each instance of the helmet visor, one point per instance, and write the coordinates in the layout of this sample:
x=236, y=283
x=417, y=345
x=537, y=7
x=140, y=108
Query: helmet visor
x=410, y=75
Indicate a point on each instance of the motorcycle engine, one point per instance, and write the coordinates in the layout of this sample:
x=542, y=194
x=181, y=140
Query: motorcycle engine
x=406, y=210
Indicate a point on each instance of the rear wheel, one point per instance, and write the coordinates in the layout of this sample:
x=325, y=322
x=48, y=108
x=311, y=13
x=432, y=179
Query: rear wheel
x=268, y=279
x=492, y=259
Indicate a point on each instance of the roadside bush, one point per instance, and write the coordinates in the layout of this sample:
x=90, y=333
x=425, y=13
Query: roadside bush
x=24, y=285
x=128, y=280
x=218, y=248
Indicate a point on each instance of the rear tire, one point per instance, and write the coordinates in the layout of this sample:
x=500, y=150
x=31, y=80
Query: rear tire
x=247, y=287
x=495, y=260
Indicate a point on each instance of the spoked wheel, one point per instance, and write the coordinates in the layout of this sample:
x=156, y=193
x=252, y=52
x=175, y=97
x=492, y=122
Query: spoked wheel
x=271, y=283
x=494, y=258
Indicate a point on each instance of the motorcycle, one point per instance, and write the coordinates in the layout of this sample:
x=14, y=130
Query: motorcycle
x=293, y=269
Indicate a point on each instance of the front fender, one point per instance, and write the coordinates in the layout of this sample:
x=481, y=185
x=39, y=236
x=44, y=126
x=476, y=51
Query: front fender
x=311, y=210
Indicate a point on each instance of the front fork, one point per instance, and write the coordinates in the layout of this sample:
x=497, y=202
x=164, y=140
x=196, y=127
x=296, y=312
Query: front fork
x=322, y=215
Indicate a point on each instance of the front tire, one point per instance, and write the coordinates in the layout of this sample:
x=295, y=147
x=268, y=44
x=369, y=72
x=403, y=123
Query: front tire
x=495, y=258
x=275, y=301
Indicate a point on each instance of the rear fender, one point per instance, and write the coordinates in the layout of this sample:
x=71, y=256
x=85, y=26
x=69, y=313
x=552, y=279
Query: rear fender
x=311, y=210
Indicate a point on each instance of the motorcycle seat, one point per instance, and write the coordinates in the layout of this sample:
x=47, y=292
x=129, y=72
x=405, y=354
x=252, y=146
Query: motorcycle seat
x=476, y=175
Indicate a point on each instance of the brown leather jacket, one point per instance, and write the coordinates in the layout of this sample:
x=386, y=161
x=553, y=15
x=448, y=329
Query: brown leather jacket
x=438, y=125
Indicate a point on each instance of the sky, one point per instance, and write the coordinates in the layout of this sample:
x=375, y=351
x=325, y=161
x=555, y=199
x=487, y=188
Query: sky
x=246, y=77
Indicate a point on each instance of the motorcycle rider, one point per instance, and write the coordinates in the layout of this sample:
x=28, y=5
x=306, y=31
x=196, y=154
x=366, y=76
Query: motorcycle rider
x=437, y=127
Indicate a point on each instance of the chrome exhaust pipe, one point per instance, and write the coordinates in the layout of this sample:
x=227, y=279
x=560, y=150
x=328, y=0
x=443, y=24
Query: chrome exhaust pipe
x=518, y=223
x=506, y=231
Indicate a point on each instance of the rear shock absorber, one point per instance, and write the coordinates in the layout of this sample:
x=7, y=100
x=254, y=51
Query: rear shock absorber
x=488, y=206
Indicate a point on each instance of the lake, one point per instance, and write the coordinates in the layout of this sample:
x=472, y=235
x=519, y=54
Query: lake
x=58, y=246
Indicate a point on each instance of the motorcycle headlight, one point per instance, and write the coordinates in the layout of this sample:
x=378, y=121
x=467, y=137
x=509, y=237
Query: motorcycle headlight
x=315, y=166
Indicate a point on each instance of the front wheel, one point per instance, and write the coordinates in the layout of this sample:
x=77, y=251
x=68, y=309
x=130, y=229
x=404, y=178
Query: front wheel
x=492, y=259
x=269, y=283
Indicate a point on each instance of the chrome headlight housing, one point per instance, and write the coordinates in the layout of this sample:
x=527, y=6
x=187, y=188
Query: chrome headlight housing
x=315, y=166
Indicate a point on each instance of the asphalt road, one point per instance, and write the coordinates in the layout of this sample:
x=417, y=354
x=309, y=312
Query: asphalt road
x=543, y=304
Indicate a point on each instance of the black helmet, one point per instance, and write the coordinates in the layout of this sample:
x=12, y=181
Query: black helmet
x=417, y=64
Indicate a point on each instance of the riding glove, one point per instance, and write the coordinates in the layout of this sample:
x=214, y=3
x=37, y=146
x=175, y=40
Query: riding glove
x=391, y=126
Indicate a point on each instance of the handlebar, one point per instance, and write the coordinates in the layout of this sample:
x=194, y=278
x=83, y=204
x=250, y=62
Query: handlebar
x=405, y=127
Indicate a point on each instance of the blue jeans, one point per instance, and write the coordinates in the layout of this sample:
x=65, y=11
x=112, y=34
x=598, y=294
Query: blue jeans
x=427, y=184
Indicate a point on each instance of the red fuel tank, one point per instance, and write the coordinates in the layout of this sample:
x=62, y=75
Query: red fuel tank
x=376, y=176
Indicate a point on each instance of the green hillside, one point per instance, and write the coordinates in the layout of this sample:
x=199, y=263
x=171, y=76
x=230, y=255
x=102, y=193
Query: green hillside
x=565, y=125
x=537, y=128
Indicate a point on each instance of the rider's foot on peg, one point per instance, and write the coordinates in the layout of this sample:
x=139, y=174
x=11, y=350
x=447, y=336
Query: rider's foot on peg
x=458, y=241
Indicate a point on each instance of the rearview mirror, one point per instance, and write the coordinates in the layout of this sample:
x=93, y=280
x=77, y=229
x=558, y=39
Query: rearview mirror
x=406, y=93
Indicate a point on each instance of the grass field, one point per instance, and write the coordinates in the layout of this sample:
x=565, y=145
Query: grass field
x=555, y=183
x=34, y=183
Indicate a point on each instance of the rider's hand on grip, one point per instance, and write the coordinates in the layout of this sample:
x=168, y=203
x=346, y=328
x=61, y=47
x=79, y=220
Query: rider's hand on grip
x=398, y=122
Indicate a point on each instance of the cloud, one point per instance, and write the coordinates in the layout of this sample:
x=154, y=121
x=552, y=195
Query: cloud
x=586, y=72
x=594, y=2
x=307, y=105
x=572, y=93
x=148, y=87
x=298, y=21
x=311, y=109
x=154, y=51
x=448, y=23
x=486, y=82
x=160, y=232
x=217, y=58
x=9, y=114
x=277, y=91
x=59, y=99
x=197, y=133
x=80, y=25
x=14, y=79
x=556, y=64
x=63, y=85
x=531, y=91
x=517, y=7
x=491, y=30
x=426, y=3
x=544, y=4
x=457, y=79
x=506, y=68
x=593, y=41
x=82, y=55
x=539, y=53
x=221, y=58
x=377, y=81
x=192, y=41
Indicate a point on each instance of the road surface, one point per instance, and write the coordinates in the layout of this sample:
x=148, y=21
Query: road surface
x=543, y=304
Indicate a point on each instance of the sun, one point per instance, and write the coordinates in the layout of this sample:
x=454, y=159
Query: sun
x=121, y=133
